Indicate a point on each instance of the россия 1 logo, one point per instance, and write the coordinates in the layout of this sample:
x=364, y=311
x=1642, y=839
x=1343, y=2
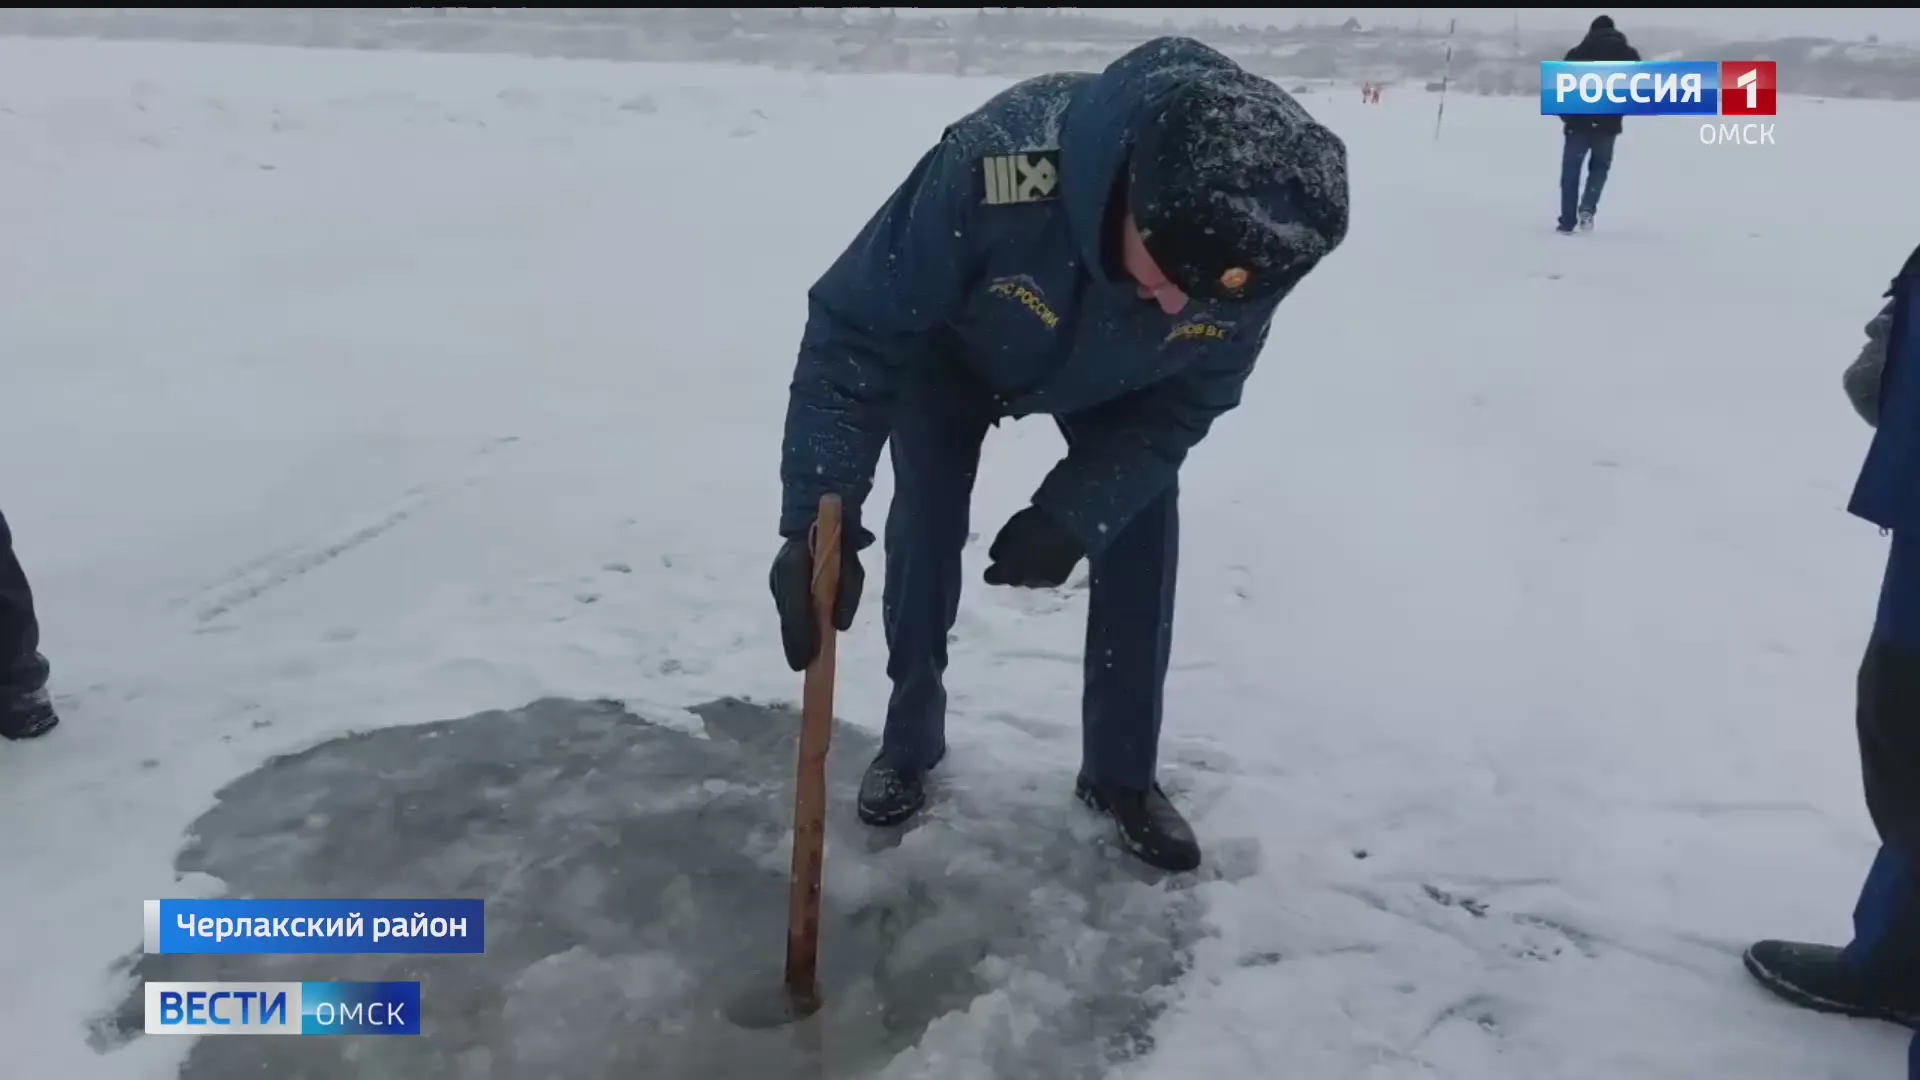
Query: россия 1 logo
x=1724, y=88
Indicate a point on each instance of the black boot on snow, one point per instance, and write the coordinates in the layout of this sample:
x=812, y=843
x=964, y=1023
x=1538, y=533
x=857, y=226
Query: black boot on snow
x=890, y=795
x=1817, y=977
x=1150, y=828
x=28, y=715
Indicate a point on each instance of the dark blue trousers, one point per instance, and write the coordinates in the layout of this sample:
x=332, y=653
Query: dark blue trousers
x=1886, y=920
x=935, y=448
x=1594, y=149
x=21, y=668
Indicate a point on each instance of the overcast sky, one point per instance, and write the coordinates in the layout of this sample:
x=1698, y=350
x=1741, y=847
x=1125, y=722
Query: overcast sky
x=1841, y=23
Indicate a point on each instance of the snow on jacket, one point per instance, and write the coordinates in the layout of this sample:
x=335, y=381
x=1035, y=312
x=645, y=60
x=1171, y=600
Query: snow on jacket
x=993, y=255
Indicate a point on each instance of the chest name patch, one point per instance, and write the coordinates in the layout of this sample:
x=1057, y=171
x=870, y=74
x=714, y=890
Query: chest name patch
x=1202, y=330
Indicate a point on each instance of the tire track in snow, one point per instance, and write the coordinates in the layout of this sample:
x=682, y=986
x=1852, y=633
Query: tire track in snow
x=302, y=561
x=266, y=574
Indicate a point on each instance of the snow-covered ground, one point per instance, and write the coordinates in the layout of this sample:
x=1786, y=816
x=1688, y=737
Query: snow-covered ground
x=1519, y=609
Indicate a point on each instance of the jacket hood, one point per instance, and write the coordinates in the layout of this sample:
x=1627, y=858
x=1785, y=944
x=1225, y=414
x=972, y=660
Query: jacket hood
x=1604, y=34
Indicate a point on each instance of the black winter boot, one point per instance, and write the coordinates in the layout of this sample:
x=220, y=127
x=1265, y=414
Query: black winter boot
x=1150, y=828
x=890, y=795
x=26, y=710
x=1816, y=977
x=28, y=716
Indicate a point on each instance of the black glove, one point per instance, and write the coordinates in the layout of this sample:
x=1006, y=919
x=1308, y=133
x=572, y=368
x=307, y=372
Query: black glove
x=792, y=582
x=1033, y=551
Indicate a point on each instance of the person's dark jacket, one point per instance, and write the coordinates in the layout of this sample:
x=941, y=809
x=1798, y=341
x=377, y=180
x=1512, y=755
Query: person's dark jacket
x=1881, y=385
x=1019, y=292
x=1602, y=42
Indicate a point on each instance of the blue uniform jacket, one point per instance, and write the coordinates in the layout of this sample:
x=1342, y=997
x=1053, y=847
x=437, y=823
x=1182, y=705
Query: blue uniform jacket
x=991, y=253
x=1888, y=490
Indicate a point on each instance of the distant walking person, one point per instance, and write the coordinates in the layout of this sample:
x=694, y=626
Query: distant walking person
x=1590, y=138
x=25, y=708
